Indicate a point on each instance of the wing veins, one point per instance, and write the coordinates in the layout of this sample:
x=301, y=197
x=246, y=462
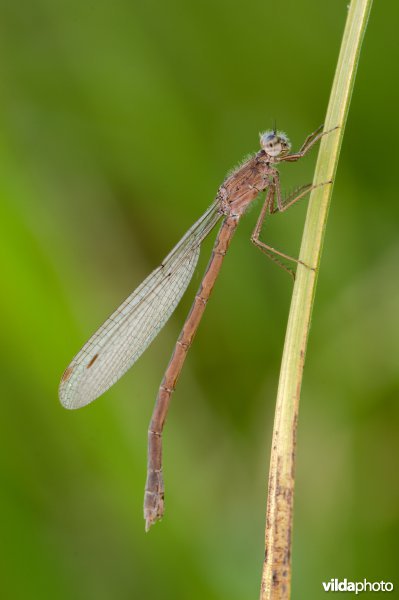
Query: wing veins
x=85, y=379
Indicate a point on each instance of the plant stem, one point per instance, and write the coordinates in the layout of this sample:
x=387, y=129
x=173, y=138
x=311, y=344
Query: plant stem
x=276, y=575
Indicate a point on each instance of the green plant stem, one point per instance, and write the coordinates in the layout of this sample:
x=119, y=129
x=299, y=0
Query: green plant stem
x=276, y=575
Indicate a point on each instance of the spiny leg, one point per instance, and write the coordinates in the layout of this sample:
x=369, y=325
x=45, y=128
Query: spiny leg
x=303, y=190
x=311, y=137
x=269, y=252
x=268, y=206
x=310, y=141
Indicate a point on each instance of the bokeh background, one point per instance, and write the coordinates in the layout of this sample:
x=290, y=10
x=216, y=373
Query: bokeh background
x=118, y=122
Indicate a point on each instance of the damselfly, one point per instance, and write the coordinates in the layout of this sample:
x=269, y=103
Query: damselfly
x=113, y=349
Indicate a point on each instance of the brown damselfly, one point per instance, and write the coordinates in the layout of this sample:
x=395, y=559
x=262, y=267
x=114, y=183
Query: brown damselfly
x=119, y=342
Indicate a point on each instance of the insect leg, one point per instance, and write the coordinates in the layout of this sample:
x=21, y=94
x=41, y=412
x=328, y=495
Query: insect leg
x=310, y=141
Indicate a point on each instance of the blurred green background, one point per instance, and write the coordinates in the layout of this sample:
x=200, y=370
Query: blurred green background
x=119, y=120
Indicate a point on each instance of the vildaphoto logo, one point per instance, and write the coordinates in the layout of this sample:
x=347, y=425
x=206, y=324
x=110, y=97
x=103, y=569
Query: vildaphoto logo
x=335, y=585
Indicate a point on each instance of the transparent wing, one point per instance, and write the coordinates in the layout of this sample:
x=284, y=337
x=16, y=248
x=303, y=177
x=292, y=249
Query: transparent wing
x=124, y=336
